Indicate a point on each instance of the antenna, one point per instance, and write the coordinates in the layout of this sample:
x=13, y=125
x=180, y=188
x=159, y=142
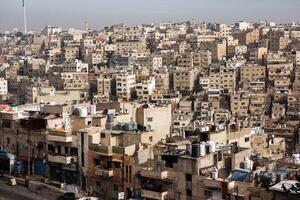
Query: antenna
x=24, y=12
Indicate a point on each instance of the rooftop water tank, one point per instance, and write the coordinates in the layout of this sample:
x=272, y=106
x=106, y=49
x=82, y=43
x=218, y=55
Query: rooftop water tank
x=93, y=109
x=296, y=158
x=110, y=117
x=195, y=150
x=83, y=112
x=248, y=164
x=202, y=149
x=214, y=173
x=211, y=146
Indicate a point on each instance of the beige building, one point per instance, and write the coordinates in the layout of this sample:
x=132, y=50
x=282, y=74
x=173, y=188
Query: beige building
x=149, y=118
x=247, y=37
x=239, y=104
x=125, y=83
x=71, y=53
x=104, y=86
x=252, y=72
x=55, y=55
x=185, y=60
x=202, y=59
x=125, y=47
x=184, y=79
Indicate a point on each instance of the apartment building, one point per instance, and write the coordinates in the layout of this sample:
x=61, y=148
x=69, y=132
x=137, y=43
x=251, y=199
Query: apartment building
x=185, y=60
x=125, y=84
x=71, y=53
x=104, y=85
x=239, y=104
x=145, y=89
x=148, y=117
x=202, y=59
x=247, y=37
x=125, y=47
x=252, y=72
x=184, y=79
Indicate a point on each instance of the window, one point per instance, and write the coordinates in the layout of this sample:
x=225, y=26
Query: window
x=117, y=165
x=66, y=150
x=247, y=139
x=208, y=193
x=98, y=185
x=102, y=135
x=189, y=192
x=188, y=177
x=151, y=138
x=115, y=187
x=7, y=140
x=149, y=119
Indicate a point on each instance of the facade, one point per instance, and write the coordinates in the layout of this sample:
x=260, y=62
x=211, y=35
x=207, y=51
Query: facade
x=125, y=83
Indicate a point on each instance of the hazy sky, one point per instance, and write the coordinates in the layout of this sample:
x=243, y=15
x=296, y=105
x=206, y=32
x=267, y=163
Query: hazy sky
x=99, y=13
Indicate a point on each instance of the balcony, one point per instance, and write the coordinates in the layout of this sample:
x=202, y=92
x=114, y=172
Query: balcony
x=102, y=150
x=154, y=195
x=56, y=136
x=128, y=150
x=106, y=173
x=61, y=159
x=154, y=174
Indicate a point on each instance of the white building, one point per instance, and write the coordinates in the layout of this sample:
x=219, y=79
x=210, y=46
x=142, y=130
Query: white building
x=145, y=89
x=77, y=66
x=125, y=83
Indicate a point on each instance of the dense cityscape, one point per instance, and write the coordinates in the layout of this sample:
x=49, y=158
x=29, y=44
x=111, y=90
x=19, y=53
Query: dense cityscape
x=170, y=111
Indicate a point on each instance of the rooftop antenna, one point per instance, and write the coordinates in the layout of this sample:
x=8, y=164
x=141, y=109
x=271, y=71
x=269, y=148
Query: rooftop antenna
x=24, y=12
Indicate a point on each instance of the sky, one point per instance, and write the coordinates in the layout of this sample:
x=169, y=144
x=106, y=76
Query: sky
x=100, y=13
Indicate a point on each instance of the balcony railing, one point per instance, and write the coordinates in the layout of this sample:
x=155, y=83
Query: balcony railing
x=154, y=174
x=106, y=173
x=154, y=195
x=61, y=159
x=101, y=149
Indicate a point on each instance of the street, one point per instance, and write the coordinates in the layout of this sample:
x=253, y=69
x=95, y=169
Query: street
x=19, y=192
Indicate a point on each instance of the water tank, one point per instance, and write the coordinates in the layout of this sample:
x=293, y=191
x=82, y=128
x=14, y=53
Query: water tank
x=93, y=109
x=202, y=149
x=207, y=148
x=296, y=158
x=214, y=173
x=83, y=112
x=248, y=164
x=110, y=118
x=195, y=150
x=129, y=126
x=211, y=146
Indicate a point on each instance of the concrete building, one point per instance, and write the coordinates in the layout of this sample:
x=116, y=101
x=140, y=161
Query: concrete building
x=125, y=84
x=184, y=79
x=149, y=118
x=145, y=89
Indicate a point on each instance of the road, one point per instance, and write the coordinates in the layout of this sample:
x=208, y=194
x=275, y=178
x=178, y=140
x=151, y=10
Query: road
x=19, y=193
